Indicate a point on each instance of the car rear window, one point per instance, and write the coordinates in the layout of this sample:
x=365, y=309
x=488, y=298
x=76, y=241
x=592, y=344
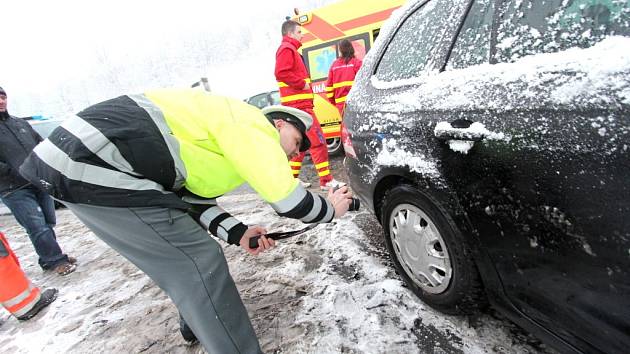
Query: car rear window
x=543, y=26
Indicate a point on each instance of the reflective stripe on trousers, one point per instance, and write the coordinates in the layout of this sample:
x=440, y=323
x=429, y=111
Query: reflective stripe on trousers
x=318, y=150
x=296, y=166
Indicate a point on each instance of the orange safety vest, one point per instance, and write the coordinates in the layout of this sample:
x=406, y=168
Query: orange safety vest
x=17, y=294
x=291, y=75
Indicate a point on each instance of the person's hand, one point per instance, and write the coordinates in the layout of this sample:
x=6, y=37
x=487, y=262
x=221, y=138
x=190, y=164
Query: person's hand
x=340, y=200
x=263, y=242
x=306, y=86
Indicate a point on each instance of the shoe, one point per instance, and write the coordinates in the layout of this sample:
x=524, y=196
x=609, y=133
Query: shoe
x=65, y=268
x=186, y=332
x=332, y=184
x=304, y=184
x=47, y=297
x=72, y=260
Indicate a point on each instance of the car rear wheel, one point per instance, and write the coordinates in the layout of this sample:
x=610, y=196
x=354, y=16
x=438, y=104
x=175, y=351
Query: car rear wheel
x=429, y=252
x=335, y=147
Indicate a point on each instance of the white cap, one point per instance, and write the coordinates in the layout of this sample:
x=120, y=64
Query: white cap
x=300, y=119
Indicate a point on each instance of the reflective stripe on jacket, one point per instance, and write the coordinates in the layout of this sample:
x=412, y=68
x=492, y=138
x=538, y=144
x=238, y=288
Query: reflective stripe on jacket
x=291, y=75
x=340, y=79
x=138, y=150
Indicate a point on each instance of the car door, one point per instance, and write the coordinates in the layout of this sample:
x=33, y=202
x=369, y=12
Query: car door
x=379, y=123
x=547, y=190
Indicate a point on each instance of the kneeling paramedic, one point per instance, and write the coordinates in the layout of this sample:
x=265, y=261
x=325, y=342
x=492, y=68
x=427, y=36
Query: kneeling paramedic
x=142, y=171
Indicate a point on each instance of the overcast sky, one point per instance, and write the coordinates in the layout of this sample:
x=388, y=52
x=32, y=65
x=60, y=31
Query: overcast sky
x=55, y=47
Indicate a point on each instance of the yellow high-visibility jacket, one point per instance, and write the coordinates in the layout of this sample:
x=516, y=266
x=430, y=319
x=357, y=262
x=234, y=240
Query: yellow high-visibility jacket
x=172, y=148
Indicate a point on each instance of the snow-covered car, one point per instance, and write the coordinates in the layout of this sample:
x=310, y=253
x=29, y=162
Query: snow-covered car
x=491, y=140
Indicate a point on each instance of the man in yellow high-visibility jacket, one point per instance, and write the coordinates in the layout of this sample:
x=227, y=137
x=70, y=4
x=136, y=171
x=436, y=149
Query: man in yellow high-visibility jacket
x=143, y=171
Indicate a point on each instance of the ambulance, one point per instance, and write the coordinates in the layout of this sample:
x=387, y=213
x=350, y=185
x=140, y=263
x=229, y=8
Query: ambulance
x=356, y=20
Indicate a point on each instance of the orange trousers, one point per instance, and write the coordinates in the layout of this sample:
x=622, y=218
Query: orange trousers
x=17, y=294
x=318, y=150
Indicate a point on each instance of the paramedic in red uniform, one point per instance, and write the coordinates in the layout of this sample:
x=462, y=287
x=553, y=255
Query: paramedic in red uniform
x=341, y=75
x=295, y=91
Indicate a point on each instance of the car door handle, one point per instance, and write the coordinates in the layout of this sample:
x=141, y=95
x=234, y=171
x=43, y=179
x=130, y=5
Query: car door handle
x=460, y=129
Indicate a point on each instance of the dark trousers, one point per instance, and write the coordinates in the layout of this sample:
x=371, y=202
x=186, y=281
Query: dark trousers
x=35, y=211
x=183, y=260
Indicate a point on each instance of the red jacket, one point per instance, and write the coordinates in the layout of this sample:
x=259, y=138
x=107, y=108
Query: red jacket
x=291, y=75
x=340, y=79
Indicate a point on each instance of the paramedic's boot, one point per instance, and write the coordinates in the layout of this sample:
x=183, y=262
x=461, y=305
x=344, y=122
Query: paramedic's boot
x=47, y=297
x=186, y=332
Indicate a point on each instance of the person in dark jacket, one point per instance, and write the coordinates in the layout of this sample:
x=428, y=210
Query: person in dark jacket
x=31, y=207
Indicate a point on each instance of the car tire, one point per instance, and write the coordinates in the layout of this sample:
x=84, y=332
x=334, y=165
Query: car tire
x=335, y=147
x=429, y=252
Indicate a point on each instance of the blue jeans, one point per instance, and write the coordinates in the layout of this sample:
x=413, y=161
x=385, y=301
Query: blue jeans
x=35, y=211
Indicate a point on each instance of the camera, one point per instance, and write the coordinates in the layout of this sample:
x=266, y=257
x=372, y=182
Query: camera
x=355, y=203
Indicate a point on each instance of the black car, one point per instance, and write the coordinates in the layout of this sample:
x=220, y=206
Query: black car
x=491, y=139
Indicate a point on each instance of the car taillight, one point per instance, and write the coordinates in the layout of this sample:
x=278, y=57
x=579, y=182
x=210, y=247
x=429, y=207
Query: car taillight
x=347, y=142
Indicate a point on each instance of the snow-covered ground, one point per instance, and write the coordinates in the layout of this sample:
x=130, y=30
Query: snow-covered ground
x=329, y=291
